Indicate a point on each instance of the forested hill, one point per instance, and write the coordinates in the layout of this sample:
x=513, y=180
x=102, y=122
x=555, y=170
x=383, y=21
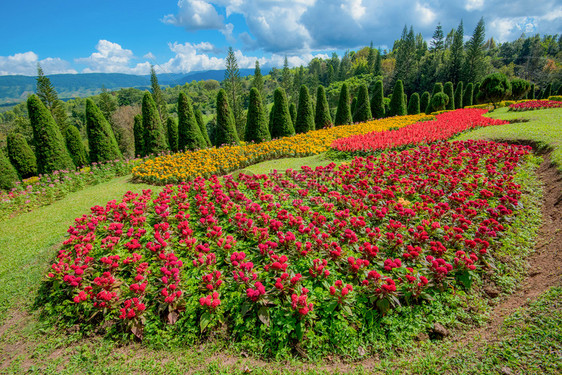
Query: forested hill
x=16, y=88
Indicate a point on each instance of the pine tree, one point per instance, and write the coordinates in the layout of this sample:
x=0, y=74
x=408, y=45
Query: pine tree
x=48, y=95
x=50, y=149
x=101, y=140
x=448, y=90
x=377, y=102
x=8, y=174
x=468, y=93
x=305, y=113
x=107, y=104
x=154, y=139
x=377, y=70
x=226, y=129
x=424, y=101
x=458, y=95
x=322, y=118
x=138, y=133
x=282, y=124
x=456, y=56
x=293, y=112
x=75, y=146
x=270, y=121
x=21, y=155
x=286, y=75
x=233, y=86
x=371, y=57
x=343, y=113
x=437, y=44
x=414, y=104
x=474, y=64
x=202, y=126
x=397, y=105
x=406, y=58
x=158, y=96
x=189, y=132
x=258, y=78
x=257, y=129
x=363, y=110
x=173, y=134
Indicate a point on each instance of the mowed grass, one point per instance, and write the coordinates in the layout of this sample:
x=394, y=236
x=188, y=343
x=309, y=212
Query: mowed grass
x=26, y=241
x=543, y=128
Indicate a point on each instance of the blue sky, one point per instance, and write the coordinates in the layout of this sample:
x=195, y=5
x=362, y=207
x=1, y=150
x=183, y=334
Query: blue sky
x=67, y=36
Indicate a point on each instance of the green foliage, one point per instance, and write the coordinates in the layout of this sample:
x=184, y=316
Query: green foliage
x=397, y=105
x=475, y=66
x=158, y=96
x=424, y=102
x=343, y=113
x=226, y=129
x=467, y=97
x=257, y=129
x=305, y=114
x=75, y=146
x=377, y=102
x=414, y=104
x=519, y=88
x=107, y=104
x=532, y=92
x=448, y=90
x=189, y=132
x=48, y=95
x=138, y=133
x=495, y=87
x=353, y=107
x=8, y=174
x=202, y=126
x=282, y=125
x=21, y=155
x=257, y=82
x=154, y=140
x=50, y=149
x=233, y=86
x=293, y=112
x=363, y=109
x=439, y=101
x=322, y=118
x=475, y=93
x=437, y=88
x=101, y=140
x=458, y=95
x=547, y=91
x=172, y=126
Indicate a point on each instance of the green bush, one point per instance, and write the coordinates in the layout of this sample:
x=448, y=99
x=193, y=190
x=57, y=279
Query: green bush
x=8, y=174
x=322, y=118
x=519, y=88
x=377, y=102
x=448, y=90
x=414, y=104
x=75, y=146
x=21, y=155
x=282, y=125
x=458, y=95
x=424, y=101
x=154, y=140
x=202, y=127
x=189, y=132
x=343, y=113
x=363, y=109
x=172, y=126
x=257, y=129
x=305, y=114
x=439, y=101
x=101, y=140
x=467, y=97
x=226, y=130
x=494, y=88
x=138, y=133
x=397, y=105
x=293, y=113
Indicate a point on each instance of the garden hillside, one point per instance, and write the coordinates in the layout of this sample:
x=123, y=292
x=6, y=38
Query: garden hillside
x=415, y=254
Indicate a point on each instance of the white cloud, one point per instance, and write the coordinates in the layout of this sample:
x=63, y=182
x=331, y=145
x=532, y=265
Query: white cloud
x=187, y=59
x=474, y=5
x=26, y=64
x=426, y=14
x=112, y=58
x=149, y=56
x=227, y=32
x=195, y=15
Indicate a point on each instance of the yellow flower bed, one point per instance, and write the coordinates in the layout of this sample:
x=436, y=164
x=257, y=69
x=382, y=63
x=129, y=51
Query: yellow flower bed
x=187, y=165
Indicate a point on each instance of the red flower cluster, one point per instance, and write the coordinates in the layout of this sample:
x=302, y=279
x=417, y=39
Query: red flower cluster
x=535, y=104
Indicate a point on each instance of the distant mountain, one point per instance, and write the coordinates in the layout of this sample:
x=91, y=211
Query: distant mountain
x=16, y=88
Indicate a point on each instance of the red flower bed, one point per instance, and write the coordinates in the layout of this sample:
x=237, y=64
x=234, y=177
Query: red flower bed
x=287, y=251
x=445, y=126
x=535, y=104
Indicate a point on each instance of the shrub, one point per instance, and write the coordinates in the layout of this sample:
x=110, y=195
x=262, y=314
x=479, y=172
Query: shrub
x=495, y=87
x=305, y=115
x=322, y=118
x=293, y=113
x=101, y=140
x=172, y=126
x=458, y=95
x=226, y=129
x=519, y=88
x=75, y=146
x=363, y=109
x=437, y=87
x=414, y=105
x=202, y=127
x=21, y=155
x=282, y=125
x=377, y=102
x=343, y=113
x=397, y=105
x=154, y=140
x=439, y=101
x=467, y=97
x=448, y=90
x=138, y=132
x=256, y=123
x=425, y=101
x=189, y=133
x=8, y=174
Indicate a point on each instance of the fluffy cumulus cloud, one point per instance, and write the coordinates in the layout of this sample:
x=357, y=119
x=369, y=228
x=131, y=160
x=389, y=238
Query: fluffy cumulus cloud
x=195, y=15
x=112, y=58
x=26, y=64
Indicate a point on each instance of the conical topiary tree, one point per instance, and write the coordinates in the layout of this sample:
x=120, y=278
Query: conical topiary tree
x=189, y=133
x=21, y=155
x=75, y=146
x=101, y=140
x=293, y=112
x=414, y=104
x=475, y=93
x=437, y=88
x=305, y=113
x=363, y=109
x=257, y=129
x=138, y=133
x=270, y=122
x=424, y=101
x=202, y=126
x=353, y=108
x=458, y=95
x=282, y=124
x=172, y=126
x=397, y=105
x=154, y=140
x=343, y=113
x=322, y=118
x=448, y=90
x=8, y=174
x=467, y=97
x=226, y=130
x=50, y=150
x=377, y=102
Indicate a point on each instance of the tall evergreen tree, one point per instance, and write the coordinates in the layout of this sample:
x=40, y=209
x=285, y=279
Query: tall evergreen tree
x=456, y=56
x=48, y=95
x=202, y=126
x=397, y=105
x=101, y=140
x=189, y=132
x=8, y=174
x=322, y=118
x=75, y=146
x=424, y=101
x=257, y=129
x=158, y=96
x=138, y=133
x=286, y=76
x=437, y=44
x=50, y=149
x=107, y=104
x=414, y=104
x=406, y=63
x=282, y=124
x=377, y=102
x=377, y=70
x=21, y=155
x=474, y=64
x=458, y=95
x=305, y=113
x=173, y=134
x=371, y=57
x=233, y=86
x=343, y=113
x=363, y=110
x=154, y=138
x=226, y=129
x=448, y=89
x=270, y=121
x=467, y=97
x=353, y=108
x=293, y=112
x=257, y=82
